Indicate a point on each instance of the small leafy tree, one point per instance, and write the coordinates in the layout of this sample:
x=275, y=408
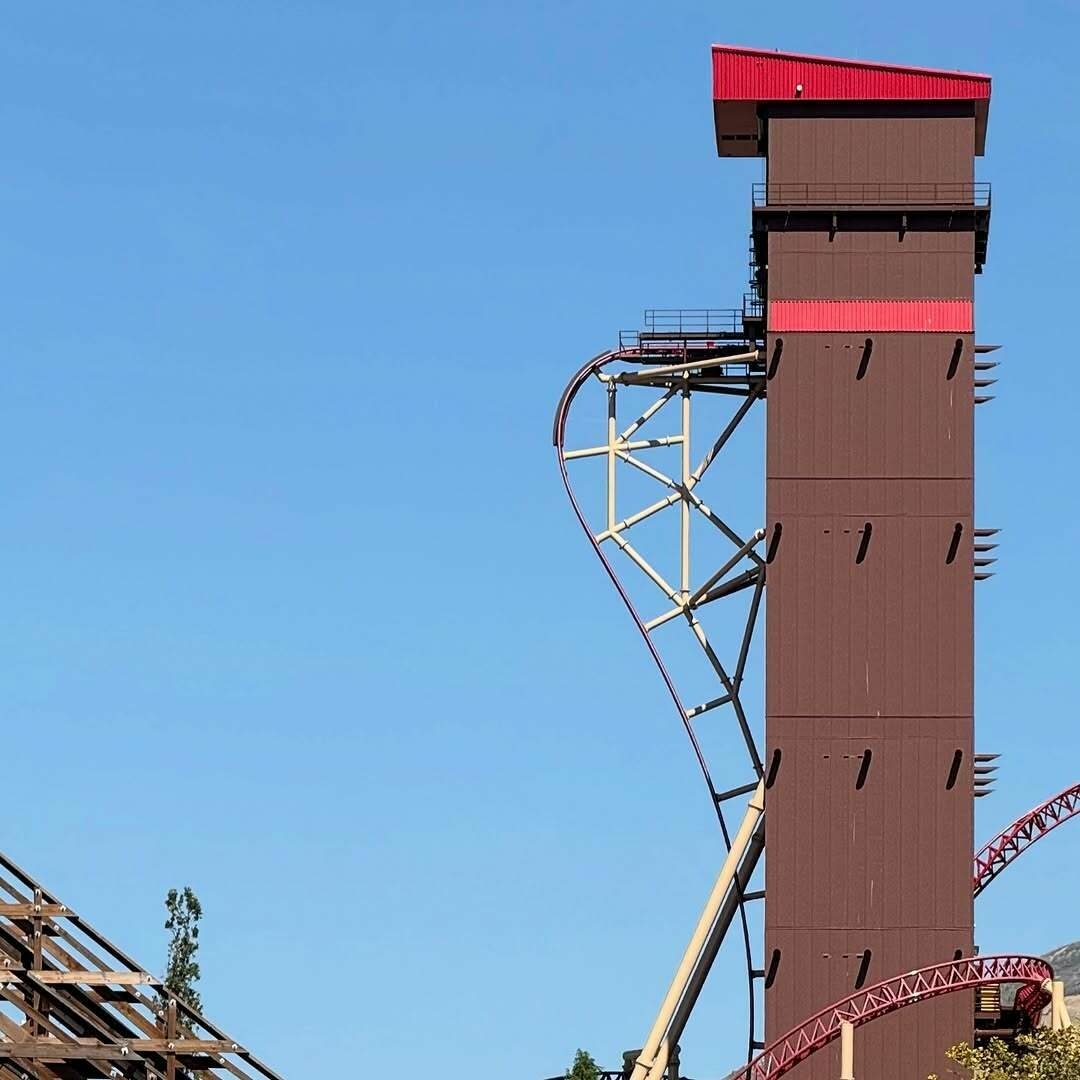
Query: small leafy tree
x=182, y=970
x=1042, y=1055
x=584, y=1067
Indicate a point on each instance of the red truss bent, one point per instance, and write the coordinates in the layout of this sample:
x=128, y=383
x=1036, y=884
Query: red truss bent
x=866, y=1005
x=1020, y=835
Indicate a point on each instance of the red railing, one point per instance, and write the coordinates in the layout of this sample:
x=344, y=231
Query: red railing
x=1021, y=834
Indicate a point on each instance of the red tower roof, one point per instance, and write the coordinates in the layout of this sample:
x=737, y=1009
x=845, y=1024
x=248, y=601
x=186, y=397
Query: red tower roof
x=745, y=78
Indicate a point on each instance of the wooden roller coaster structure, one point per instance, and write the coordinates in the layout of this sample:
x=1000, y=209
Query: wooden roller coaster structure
x=74, y=1006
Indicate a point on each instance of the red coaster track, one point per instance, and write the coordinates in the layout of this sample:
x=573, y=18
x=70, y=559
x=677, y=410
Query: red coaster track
x=621, y=370
x=866, y=1005
x=1021, y=834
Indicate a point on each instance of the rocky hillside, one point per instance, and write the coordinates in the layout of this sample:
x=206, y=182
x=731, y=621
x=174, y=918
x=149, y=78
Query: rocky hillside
x=1066, y=962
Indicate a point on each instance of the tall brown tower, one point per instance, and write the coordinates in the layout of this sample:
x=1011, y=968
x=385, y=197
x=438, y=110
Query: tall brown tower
x=867, y=233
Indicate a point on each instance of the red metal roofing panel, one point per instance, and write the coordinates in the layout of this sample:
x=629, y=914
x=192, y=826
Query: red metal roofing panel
x=871, y=316
x=741, y=74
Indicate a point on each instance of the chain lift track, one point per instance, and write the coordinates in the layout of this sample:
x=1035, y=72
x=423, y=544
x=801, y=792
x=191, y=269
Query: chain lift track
x=670, y=364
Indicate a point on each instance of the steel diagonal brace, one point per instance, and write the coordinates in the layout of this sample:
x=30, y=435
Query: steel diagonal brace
x=704, y=943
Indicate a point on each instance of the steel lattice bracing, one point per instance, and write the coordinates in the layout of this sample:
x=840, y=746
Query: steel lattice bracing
x=909, y=989
x=866, y=236
x=75, y=1006
x=1021, y=834
x=700, y=374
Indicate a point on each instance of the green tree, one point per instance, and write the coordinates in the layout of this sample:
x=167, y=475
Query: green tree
x=182, y=969
x=584, y=1068
x=1042, y=1055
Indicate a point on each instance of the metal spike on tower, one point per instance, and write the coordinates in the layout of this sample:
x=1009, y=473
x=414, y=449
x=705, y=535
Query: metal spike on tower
x=858, y=783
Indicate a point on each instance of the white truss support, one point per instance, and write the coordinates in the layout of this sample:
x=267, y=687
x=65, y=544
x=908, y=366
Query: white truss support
x=653, y=1057
x=688, y=495
x=648, y=470
x=641, y=515
x=647, y=569
x=743, y=568
x=684, y=560
x=660, y=620
x=628, y=378
x=622, y=444
x=649, y=413
x=847, y=1050
x=611, y=444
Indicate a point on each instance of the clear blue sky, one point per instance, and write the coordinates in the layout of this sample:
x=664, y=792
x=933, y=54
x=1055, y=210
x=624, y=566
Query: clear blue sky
x=293, y=608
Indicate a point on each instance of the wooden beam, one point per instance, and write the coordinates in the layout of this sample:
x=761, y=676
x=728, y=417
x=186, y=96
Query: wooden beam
x=131, y=1049
x=53, y=1050
x=94, y=978
x=187, y=1046
x=29, y=911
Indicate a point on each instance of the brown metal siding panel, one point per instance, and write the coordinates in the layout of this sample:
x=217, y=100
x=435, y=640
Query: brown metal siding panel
x=891, y=636
x=836, y=855
x=818, y=967
x=807, y=265
x=897, y=149
x=874, y=655
x=904, y=418
x=857, y=496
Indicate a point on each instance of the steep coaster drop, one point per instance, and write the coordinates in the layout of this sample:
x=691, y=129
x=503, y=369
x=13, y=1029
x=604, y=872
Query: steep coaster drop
x=858, y=338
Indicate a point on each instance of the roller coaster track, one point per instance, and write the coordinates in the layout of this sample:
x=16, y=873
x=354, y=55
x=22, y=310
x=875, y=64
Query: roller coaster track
x=739, y=371
x=896, y=993
x=668, y=370
x=1022, y=833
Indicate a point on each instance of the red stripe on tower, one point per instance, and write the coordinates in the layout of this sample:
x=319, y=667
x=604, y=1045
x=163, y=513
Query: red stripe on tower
x=872, y=316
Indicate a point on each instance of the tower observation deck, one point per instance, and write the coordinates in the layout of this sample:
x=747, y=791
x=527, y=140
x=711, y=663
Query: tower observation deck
x=867, y=233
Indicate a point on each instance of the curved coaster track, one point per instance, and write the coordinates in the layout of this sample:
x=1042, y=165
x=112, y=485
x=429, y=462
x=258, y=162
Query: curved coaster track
x=683, y=366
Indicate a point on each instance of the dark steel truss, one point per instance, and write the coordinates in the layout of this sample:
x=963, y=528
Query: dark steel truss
x=74, y=1006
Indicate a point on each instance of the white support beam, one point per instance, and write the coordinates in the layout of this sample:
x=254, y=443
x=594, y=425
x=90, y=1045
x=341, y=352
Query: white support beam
x=652, y=1060
x=847, y=1050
